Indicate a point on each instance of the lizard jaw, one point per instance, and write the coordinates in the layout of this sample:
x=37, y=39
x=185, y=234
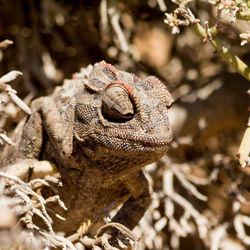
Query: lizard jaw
x=134, y=141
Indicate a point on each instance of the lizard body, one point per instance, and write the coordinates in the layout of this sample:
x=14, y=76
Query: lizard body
x=99, y=133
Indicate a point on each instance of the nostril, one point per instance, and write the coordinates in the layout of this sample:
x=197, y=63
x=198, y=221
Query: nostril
x=117, y=105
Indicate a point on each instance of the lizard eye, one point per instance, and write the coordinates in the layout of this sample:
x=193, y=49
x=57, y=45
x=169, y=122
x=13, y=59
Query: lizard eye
x=117, y=105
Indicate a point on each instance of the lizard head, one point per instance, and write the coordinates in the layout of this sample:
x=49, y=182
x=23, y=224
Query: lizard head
x=120, y=113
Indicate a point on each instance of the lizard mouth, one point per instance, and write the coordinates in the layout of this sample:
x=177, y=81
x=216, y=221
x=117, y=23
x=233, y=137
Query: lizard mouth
x=126, y=141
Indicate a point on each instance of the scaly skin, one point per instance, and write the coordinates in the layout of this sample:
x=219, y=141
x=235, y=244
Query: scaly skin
x=99, y=133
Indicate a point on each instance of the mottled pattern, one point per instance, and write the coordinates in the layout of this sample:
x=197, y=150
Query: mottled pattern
x=100, y=133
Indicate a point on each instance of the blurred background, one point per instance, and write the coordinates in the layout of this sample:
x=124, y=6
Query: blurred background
x=210, y=190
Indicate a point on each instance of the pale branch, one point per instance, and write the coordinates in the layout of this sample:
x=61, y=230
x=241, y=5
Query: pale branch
x=5, y=43
x=11, y=92
x=217, y=235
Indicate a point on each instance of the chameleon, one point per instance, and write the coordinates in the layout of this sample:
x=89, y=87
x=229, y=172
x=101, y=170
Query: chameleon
x=99, y=132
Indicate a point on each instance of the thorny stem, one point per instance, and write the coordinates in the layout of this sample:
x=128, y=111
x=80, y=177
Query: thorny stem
x=225, y=53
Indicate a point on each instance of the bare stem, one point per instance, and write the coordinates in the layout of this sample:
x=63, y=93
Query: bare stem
x=225, y=53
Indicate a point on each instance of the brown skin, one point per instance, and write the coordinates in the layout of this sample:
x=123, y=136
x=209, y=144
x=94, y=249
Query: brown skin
x=99, y=134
